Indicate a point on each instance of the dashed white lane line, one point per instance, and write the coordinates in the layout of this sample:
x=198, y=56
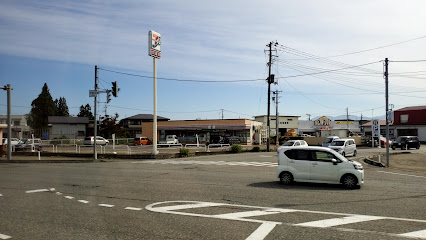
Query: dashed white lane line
x=265, y=156
x=1, y=195
x=83, y=201
x=133, y=208
x=106, y=205
x=58, y=193
x=40, y=190
x=402, y=174
x=339, y=221
x=416, y=234
x=69, y=197
x=2, y=236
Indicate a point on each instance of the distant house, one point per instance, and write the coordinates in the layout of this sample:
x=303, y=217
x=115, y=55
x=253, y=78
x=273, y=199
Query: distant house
x=70, y=127
x=410, y=121
x=133, y=124
x=20, y=128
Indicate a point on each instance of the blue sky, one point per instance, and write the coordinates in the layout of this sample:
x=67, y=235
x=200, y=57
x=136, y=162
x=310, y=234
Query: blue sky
x=60, y=42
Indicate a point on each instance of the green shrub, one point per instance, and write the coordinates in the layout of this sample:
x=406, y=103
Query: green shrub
x=184, y=152
x=235, y=148
x=255, y=149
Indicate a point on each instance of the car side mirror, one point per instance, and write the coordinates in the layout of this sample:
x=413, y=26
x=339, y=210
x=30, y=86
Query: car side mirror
x=334, y=161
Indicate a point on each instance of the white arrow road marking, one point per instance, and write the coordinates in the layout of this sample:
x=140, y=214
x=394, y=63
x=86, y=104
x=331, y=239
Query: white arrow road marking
x=106, y=205
x=416, y=234
x=339, y=221
x=83, y=201
x=267, y=226
x=133, y=208
x=262, y=231
x=2, y=236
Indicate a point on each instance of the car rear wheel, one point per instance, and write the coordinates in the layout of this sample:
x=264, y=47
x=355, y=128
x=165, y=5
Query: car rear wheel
x=349, y=181
x=286, y=178
x=418, y=146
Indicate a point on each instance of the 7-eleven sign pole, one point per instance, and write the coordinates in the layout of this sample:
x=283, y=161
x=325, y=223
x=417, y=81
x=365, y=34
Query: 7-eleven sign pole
x=154, y=50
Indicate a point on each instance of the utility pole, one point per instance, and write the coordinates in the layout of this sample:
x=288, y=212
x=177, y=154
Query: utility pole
x=387, y=110
x=269, y=97
x=9, y=88
x=222, y=113
x=347, y=120
x=95, y=130
x=276, y=118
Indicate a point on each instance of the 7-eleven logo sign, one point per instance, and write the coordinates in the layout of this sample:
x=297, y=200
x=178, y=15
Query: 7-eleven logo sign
x=154, y=44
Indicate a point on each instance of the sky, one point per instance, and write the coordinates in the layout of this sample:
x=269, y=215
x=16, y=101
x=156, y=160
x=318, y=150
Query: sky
x=328, y=56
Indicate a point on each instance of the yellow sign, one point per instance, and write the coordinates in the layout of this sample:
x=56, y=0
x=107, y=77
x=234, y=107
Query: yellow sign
x=343, y=122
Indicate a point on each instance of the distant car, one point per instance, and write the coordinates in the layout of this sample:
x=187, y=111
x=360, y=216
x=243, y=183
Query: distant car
x=28, y=144
x=328, y=140
x=141, y=141
x=344, y=146
x=318, y=164
x=99, y=141
x=295, y=143
x=406, y=142
x=14, y=141
x=383, y=142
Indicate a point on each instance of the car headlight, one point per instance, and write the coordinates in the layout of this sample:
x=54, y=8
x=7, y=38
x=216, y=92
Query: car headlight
x=358, y=167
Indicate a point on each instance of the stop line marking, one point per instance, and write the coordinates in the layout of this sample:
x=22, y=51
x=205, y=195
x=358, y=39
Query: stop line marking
x=267, y=226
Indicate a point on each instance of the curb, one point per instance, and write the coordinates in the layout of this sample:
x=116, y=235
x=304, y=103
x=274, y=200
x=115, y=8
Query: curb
x=370, y=161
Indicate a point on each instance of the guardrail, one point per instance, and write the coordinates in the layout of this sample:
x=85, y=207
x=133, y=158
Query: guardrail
x=179, y=145
x=65, y=145
x=217, y=146
x=196, y=146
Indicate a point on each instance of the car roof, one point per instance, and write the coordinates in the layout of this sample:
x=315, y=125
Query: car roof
x=310, y=148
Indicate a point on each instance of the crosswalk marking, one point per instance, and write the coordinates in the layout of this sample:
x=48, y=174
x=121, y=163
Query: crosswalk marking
x=262, y=231
x=339, y=221
x=192, y=162
x=416, y=234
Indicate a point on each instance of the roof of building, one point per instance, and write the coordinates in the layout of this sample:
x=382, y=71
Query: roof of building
x=412, y=108
x=67, y=120
x=381, y=122
x=146, y=117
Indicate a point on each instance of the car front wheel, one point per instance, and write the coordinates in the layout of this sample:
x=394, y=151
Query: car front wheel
x=349, y=181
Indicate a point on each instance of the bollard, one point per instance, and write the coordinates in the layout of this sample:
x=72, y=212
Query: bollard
x=39, y=155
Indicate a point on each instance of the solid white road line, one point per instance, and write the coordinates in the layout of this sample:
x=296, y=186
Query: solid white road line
x=69, y=197
x=416, y=234
x=188, y=206
x=83, y=201
x=402, y=174
x=106, y=205
x=133, y=208
x=262, y=231
x=2, y=236
x=239, y=215
x=339, y=221
x=38, y=190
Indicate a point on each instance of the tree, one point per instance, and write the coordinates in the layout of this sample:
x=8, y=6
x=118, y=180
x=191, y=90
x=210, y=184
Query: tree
x=61, y=107
x=86, y=111
x=41, y=107
x=109, y=126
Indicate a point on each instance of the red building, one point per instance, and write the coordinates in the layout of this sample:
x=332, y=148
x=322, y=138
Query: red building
x=410, y=121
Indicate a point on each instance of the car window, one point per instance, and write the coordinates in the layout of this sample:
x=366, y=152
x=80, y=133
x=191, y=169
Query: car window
x=302, y=155
x=338, y=143
x=323, y=156
x=297, y=144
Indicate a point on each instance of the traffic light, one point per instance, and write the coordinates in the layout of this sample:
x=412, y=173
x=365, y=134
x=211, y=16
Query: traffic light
x=108, y=96
x=115, y=89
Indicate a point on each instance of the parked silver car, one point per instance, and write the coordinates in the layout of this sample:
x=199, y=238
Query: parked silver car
x=99, y=141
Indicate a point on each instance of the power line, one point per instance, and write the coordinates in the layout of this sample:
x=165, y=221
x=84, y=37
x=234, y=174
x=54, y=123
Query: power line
x=408, y=61
x=183, y=80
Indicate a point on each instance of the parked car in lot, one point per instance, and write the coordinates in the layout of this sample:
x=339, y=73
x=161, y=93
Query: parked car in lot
x=13, y=141
x=27, y=145
x=141, y=141
x=406, y=142
x=318, y=164
x=328, y=140
x=344, y=146
x=99, y=141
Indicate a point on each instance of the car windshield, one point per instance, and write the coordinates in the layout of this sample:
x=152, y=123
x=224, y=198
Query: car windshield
x=328, y=140
x=400, y=139
x=338, y=143
x=288, y=143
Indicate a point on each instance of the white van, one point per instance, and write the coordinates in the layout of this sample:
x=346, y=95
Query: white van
x=328, y=140
x=344, y=146
x=318, y=164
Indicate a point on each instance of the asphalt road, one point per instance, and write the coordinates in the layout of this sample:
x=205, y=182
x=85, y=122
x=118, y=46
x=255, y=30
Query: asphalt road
x=211, y=197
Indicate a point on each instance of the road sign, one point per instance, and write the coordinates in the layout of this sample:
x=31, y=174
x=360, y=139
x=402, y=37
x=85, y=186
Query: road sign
x=92, y=93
